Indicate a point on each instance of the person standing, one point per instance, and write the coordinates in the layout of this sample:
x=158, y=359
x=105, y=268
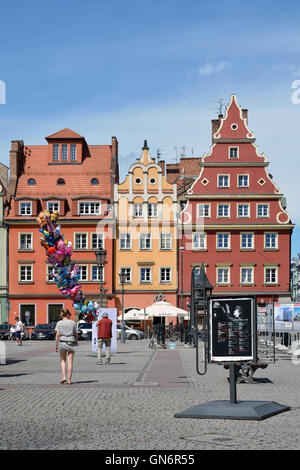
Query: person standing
x=104, y=337
x=66, y=344
x=19, y=329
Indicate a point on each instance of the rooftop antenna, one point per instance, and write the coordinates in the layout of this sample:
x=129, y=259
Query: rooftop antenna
x=158, y=154
x=176, y=154
x=219, y=108
x=182, y=151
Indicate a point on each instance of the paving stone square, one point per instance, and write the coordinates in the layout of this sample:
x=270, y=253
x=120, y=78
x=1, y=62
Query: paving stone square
x=130, y=404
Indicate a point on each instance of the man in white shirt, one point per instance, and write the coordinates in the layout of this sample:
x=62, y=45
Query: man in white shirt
x=19, y=329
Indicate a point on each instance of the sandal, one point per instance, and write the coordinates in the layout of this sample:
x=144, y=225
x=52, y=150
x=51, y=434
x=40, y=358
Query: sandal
x=70, y=383
x=62, y=381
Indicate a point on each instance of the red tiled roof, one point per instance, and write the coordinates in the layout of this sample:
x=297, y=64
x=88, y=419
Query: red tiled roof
x=65, y=134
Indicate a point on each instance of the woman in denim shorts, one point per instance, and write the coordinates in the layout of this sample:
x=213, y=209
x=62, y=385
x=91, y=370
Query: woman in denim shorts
x=66, y=344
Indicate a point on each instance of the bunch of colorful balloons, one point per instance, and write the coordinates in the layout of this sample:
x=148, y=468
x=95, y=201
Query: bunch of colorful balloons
x=65, y=272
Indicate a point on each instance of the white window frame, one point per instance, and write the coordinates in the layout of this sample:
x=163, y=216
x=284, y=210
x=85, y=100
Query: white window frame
x=137, y=209
x=249, y=269
x=268, y=268
x=128, y=238
x=223, y=281
x=221, y=234
x=203, y=210
x=94, y=266
x=144, y=237
x=221, y=181
x=50, y=270
x=150, y=271
x=128, y=274
x=152, y=209
x=56, y=203
x=86, y=272
x=163, y=269
x=243, y=176
x=243, y=206
x=75, y=241
x=27, y=205
x=233, y=148
x=220, y=210
x=242, y=234
x=26, y=234
x=267, y=206
x=88, y=205
x=29, y=269
x=276, y=240
x=202, y=239
x=165, y=238
x=99, y=236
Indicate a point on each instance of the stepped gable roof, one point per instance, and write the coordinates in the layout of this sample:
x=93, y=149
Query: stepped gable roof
x=233, y=126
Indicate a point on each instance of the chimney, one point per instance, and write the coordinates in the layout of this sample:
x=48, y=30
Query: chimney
x=16, y=154
x=245, y=114
x=215, y=124
x=161, y=163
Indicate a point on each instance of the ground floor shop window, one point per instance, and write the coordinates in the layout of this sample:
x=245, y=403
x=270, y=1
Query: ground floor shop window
x=54, y=312
x=27, y=314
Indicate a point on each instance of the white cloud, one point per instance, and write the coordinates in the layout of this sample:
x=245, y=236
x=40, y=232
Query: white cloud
x=210, y=68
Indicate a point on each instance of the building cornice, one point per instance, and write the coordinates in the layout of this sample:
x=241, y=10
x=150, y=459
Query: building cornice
x=234, y=196
x=234, y=164
x=237, y=227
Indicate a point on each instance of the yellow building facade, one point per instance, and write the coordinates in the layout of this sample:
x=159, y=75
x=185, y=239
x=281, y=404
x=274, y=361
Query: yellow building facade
x=146, y=236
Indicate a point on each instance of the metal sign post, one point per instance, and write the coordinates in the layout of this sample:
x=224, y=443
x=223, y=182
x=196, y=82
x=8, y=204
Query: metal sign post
x=230, y=336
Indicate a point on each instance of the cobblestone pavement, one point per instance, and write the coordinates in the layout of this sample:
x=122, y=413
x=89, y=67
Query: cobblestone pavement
x=130, y=403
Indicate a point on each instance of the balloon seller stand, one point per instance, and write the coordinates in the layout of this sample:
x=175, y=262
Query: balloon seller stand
x=233, y=409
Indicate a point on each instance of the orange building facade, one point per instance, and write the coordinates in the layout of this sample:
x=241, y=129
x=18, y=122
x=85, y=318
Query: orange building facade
x=146, y=235
x=76, y=179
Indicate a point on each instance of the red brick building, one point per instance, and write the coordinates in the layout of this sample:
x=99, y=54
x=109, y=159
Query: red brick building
x=76, y=179
x=235, y=220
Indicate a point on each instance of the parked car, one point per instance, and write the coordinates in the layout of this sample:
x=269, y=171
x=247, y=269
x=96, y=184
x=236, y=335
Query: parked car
x=85, y=330
x=43, y=331
x=130, y=333
x=4, y=331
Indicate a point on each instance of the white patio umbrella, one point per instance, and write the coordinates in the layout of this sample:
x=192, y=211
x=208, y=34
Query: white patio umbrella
x=165, y=309
x=133, y=314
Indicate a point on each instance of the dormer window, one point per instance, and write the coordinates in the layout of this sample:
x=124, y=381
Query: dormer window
x=31, y=182
x=25, y=208
x=90, y=208
x=94, y=181
x=64, y=152
x=55, y=153
x=53, y=206
x=73, y=153
x=60, y=182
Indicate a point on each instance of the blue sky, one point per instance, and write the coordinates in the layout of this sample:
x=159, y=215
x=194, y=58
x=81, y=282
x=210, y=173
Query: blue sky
x=153, y=70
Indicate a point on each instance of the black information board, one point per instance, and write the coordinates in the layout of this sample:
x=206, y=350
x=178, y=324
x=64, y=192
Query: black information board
x=231, y=329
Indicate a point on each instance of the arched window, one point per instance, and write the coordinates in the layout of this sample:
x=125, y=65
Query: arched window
x=61, y=181
x=31, y=181
x=94, y=181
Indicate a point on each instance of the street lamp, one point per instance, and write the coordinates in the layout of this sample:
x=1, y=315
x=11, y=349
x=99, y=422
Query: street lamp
x=100, y=257
x=181, y=283
x=122, y=277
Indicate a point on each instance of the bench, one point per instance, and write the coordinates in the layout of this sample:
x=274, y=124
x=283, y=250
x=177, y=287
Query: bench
x=246, y=370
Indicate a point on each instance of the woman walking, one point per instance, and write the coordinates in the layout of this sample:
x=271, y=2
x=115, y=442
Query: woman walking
x=66, y=344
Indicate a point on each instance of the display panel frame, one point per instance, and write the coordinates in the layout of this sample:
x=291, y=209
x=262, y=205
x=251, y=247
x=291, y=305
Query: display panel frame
x=232, y=329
